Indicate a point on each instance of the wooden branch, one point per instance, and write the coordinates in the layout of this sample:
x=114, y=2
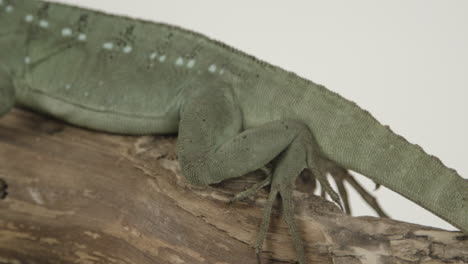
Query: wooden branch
x=78, y=196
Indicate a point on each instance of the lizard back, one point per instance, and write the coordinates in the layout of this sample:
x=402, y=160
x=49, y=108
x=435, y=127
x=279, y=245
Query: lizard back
x=106, y=72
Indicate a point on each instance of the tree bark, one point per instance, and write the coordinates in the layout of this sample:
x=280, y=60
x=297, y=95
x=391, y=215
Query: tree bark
x=80, y=196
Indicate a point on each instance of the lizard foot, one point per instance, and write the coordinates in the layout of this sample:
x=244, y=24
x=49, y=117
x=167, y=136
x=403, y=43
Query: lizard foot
x=288, y=214
x=301, y=154
x=341, y=175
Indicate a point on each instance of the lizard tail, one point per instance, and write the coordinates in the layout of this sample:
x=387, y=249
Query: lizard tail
x=354, y=139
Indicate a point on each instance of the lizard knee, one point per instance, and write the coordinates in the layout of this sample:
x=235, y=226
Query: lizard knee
x=198, y=170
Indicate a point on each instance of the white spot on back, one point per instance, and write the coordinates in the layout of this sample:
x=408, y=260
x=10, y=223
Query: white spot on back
x=127, y=49
x=82, y=37
x=153, y=55
x=221, y=72
x=86, y=94
x=212, y=68
x=68, y=86
x=67, y=32
x=43, y=23
x=27, y=60
x=162, y=58
x=29, y=18
x=9, y=9
x=108, y=45
x=179, y=61
x=191, y=63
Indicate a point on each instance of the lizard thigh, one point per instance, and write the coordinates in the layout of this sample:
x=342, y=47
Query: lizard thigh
x=7, y=93
x=212, y=145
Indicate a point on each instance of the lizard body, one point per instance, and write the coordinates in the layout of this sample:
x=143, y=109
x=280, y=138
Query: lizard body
x=233, y=112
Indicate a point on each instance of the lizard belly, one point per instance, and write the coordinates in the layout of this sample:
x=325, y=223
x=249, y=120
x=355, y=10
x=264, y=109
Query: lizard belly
x=101, y=119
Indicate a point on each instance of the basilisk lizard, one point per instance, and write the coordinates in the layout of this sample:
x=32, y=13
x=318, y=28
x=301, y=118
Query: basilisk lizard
x=233, y=113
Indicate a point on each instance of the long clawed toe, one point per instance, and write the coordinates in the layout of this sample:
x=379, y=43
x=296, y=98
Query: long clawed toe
x=341, y=175
x=326, y=187
x=343, y=194
x=265, y=221
x=254, y=188
x=369, y=198
x=315, y=165
x=288, y=214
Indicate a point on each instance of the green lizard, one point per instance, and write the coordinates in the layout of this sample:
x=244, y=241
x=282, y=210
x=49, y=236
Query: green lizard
x=233, y=113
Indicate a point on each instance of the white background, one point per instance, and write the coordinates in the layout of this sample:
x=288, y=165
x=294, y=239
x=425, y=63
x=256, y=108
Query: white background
x=406, y=61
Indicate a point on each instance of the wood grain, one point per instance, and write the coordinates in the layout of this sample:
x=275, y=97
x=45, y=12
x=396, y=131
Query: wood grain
x=80, y=196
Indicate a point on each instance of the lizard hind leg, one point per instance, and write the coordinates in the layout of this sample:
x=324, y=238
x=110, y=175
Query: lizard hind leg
x=301, y=154
x=213, y=146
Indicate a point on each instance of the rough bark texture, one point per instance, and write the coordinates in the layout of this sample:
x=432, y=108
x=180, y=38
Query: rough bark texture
x=78, y=196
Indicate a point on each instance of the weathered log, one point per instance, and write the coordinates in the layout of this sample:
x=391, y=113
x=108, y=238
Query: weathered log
x=79, y=196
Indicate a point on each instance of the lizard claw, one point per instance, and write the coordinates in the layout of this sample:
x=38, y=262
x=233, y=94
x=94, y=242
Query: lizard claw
x=341, y=175
x=288, y=213
x=326, y=187
x=265, y=221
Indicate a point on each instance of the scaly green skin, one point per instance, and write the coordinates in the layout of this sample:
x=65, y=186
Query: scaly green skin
x=234, y=114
